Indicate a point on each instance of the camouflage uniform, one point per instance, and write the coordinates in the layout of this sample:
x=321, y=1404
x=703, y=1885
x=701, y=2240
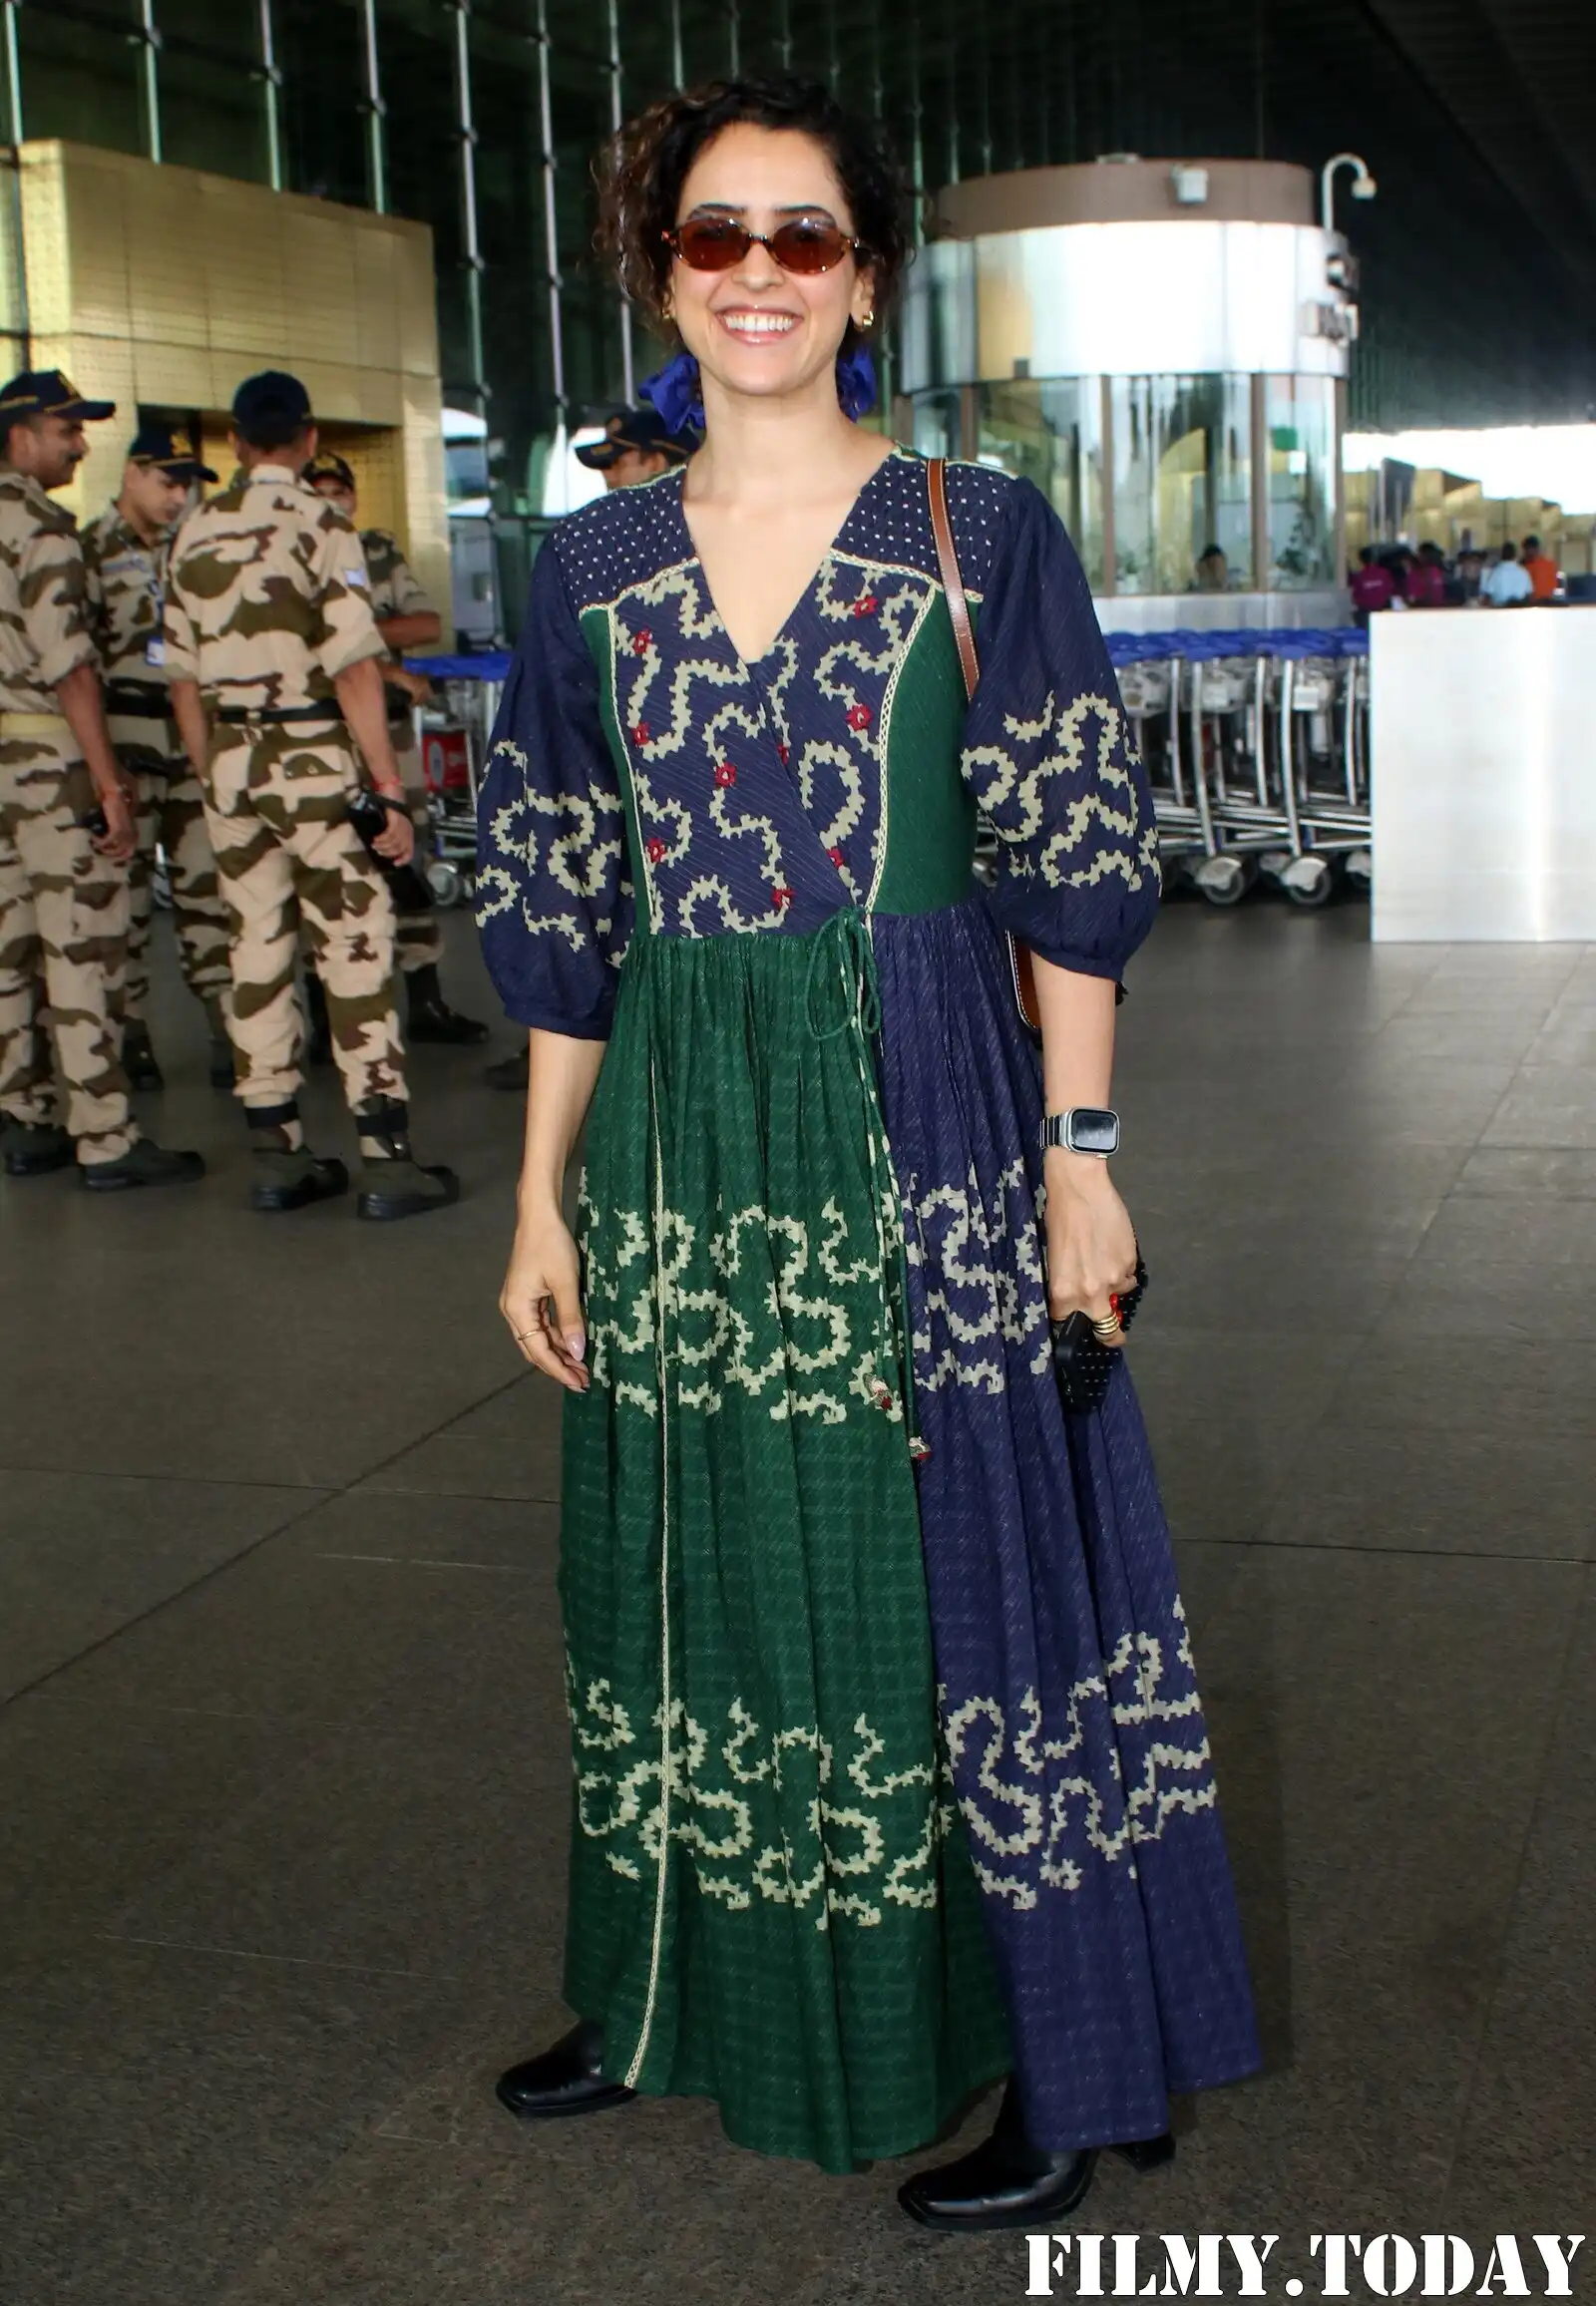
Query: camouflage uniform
x=267, y=600
x=62, y=908
x=396, y=592
x=127, y=578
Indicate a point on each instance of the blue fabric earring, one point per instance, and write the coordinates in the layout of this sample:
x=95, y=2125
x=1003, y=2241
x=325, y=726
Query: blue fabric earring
x=674, y=389
x=675, y=392
x=856, y=382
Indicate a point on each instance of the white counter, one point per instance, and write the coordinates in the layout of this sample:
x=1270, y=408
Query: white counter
x=1485, y=775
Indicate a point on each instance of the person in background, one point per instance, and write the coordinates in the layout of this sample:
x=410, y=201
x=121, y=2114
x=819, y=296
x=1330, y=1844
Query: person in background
x=406, y=619
x=1507, y=584
x=1213, y=570
x=637, y=445
x=1470, y=576
x=1426, y=584
x=1541, y=570
x=125, y=555
x=66, y=824
x=1372, y=586
x=272, y=654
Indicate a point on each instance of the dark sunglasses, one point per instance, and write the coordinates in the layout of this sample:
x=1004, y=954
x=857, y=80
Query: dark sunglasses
x=715, y=243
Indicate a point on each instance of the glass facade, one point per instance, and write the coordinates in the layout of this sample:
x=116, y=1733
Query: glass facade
x=1300, y=417
x=1052, y=433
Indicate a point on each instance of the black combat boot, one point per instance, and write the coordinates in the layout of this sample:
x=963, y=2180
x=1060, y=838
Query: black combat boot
x=393, y=1183
x=223, y=1073
x=139, y=1058
x=563, y=2079
x=318, y=1027
x=33, y=1148
x=287, y=1175
x=511, y=1073
x=1008, y=2182
x=429, y=1017
x=144, y=1163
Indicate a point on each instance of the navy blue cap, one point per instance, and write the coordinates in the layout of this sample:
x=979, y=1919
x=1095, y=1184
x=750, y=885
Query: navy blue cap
x=157, y=445
x=636, y=428
x=49, y=392
x=272, y=399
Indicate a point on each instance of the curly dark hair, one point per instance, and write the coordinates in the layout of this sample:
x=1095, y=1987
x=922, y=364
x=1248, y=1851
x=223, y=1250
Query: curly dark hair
x=642, y=169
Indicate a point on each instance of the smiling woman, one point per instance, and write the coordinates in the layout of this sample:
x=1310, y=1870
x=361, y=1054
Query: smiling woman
x=891, y=1771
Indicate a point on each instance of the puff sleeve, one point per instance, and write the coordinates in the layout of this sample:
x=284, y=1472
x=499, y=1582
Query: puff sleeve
x=554, y=898
x=1051, y=759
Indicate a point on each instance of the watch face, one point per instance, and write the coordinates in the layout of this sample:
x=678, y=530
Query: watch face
x=1093, y=1131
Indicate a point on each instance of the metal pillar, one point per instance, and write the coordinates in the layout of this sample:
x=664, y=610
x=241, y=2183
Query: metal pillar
x=467, y=132
x=679, y=69
x=551, y=221
x=271, y=84
x=376, y=115
x=149, y=42
x=616, y=115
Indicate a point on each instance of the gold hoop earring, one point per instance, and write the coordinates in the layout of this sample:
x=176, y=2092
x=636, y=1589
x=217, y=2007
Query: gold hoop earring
x=868, y=320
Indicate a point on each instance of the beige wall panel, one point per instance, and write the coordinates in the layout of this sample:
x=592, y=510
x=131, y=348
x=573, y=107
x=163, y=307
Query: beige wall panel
x=426, y=535
x=175, y=376
x=318, y=285
x=96, y=233
x=339, y=393
x=242, y=269
x=416, y=303
x=169, y=286
x=44, y=229
x=165, y=264
x=377, y=286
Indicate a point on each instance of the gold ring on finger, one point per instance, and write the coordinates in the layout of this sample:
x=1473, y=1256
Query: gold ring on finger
x=1107, y=1325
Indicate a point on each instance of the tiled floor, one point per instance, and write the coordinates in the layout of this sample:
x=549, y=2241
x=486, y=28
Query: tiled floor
x=282, y=1763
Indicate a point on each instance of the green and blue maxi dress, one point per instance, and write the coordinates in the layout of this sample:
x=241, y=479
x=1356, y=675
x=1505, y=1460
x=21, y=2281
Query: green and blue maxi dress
x=890, y=1766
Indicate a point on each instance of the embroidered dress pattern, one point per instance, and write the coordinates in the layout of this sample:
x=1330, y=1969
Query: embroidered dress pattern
x=891, y=1765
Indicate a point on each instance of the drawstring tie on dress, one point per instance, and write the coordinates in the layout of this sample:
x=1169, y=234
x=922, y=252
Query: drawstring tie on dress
x=844, y=956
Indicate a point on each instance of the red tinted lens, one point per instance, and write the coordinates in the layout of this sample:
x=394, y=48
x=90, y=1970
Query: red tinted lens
x=711, y=243
x=806, y=246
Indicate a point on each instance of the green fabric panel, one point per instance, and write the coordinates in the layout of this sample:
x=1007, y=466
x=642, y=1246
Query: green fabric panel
x=930, y=816
x=783, y=1915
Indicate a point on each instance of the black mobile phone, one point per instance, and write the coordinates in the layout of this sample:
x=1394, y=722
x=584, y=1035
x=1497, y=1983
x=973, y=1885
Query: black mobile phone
x=94, y=823
x=368, y=813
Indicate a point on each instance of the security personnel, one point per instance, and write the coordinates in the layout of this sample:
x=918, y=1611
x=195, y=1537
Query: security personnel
x=406, y=619
x=272, y=654
x=637, y=445
x=63, y=883
x=124, y=551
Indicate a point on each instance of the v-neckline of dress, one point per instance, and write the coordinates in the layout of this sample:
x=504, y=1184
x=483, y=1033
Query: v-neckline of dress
x=751, y=664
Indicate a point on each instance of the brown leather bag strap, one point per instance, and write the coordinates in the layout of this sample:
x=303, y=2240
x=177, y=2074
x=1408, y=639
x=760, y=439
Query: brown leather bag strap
x=953, y=584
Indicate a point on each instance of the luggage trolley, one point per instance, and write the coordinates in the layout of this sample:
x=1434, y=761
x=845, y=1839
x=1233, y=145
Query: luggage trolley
x=1321, y=708
x=454, y=734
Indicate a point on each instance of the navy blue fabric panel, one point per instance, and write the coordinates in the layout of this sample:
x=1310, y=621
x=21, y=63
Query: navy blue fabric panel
x=1049, y=756
x=1068, y=1697
x=554, y=900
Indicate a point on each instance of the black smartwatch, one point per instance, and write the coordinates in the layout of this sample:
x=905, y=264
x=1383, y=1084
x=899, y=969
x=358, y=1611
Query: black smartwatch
x=1084, y=1129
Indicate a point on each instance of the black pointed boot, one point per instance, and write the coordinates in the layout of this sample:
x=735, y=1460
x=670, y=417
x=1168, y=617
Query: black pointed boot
x=138, y=1056
x=429, y=1017
x=1007, y=2182
x=562, y=2081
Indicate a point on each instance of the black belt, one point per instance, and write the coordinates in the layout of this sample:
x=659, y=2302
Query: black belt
x=236, y=714
x=138, y=699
